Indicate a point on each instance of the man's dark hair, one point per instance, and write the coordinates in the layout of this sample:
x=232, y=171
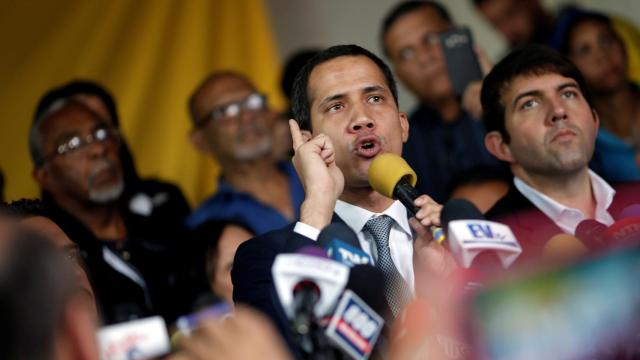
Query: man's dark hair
x=404, y=8
x=300, y=100
x=524, y=61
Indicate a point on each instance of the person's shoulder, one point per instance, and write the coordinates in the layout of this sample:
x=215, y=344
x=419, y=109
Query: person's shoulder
x=272, y=240
x=267, y=245
x=215, y=207
x=512, y=202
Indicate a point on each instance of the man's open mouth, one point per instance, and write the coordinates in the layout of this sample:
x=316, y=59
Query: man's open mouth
x=368, y=146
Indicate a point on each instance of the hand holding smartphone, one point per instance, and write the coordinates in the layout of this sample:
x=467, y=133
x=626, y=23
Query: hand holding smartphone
x=462, y=63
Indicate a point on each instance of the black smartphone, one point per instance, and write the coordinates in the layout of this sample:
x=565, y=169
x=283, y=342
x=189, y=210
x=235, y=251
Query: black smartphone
x=462, y=63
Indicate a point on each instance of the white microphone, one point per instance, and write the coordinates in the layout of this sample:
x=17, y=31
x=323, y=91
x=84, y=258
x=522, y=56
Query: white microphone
x=291, y=270
x=132, y=340
x=468, y=234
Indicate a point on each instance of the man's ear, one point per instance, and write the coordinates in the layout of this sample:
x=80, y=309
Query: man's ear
x=196, y=137
x=41, y=176
x=404, y=125
x=306, y=135
x=494, y=142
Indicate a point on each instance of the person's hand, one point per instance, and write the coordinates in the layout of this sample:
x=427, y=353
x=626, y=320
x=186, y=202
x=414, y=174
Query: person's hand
x=471, y=102
x=315, y=162
x=471, y=96
x=243, y=335
x=432, y=262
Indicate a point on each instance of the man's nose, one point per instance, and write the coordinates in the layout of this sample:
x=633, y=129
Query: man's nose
x=427, y=52
x=558, y=111
x=361, y=120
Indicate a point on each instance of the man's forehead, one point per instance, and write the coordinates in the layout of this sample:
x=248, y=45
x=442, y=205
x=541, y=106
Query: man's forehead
x=225, y=88
x=538, y=81
x=69, y=118
x=342, y=75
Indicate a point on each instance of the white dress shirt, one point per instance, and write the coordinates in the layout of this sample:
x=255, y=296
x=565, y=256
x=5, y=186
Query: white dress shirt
x=400, y=237
x=565, y=217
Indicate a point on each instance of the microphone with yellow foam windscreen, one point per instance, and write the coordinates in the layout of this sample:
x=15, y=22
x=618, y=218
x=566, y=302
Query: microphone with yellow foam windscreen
x=391, y=176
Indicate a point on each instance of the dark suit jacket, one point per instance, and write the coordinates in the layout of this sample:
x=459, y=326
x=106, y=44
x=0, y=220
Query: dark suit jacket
x=251, y=273
x=533, y=228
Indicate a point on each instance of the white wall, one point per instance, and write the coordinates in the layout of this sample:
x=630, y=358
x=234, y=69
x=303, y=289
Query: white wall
x=321, y=23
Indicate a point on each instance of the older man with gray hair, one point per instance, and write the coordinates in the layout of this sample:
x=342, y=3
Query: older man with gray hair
x=133, y=259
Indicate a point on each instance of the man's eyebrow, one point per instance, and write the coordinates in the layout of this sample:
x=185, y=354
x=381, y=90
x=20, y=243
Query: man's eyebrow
x=331, y=98
x=373, y=88
x=66, y=135
x=568, y=85
x=525, y=94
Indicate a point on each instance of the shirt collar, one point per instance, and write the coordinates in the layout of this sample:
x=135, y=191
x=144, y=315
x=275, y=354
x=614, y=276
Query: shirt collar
x=356, y=217
x=602, y=192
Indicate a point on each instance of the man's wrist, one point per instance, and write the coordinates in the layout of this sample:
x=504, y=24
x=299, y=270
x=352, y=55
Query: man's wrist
x=317, y=212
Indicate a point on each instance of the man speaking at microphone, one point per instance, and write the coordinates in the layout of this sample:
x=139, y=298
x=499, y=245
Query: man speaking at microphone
x=540, y=120
x=346, y=113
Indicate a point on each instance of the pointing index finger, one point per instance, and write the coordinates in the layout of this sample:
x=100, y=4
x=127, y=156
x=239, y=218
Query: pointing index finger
x=296, y=135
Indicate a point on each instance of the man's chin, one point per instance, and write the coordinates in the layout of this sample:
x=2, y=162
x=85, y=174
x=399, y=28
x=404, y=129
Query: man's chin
x=106, y=194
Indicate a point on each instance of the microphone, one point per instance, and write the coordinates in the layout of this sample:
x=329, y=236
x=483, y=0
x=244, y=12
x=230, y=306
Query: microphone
x=342, y=245
x=138, y=339
x=354, y=326
x=563, y=248
x=364, y=281
x=591, y=233
x=391, y=176
x=470, y=236
x=308, y=286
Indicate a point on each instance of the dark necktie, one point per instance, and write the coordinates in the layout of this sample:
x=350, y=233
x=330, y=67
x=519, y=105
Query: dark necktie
x=396, y=290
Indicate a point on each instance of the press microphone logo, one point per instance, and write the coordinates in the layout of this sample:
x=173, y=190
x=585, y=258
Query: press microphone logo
x=485, y=232
x=467, y=238
x=347, y=254
x=355, y=326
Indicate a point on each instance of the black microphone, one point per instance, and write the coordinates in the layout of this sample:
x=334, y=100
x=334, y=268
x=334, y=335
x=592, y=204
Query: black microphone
x=342, y=245
x=306, y=295
x=365, y=280
x=391, y=176
x=339, y=231
x=459, y=209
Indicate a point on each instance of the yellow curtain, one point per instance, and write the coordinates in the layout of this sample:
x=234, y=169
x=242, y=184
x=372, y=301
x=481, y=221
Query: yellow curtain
x=631, y=38
x=150, y=53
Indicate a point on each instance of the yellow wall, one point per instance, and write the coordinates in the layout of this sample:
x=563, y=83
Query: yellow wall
x=150, y=53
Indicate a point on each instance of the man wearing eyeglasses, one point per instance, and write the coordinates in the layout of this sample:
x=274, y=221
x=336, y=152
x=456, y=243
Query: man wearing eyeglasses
x=233, y=123
x=134, y=266
x=447, y=136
